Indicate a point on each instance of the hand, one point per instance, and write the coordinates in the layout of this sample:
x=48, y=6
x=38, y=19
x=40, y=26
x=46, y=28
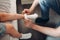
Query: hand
x=27, y=11
x=28, y=23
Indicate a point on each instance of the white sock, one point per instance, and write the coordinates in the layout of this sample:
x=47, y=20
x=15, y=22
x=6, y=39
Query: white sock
x=32, y=16
x=25, y=15
x=26, y=36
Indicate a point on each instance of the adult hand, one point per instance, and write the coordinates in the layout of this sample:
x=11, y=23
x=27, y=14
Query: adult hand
x=27, y=11
x=28, y=23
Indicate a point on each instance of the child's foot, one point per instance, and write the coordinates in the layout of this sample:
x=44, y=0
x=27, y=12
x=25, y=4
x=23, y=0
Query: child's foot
x=32, y=16
x=26, y=36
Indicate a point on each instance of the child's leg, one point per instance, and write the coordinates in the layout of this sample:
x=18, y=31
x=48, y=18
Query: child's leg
x=9, y=29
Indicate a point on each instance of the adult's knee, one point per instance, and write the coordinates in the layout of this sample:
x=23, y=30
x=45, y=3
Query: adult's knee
x=41, y=21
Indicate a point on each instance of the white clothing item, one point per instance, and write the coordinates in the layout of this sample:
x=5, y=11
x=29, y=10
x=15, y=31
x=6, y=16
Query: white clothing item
x=26, y=36
x=32, y=16
x=8, y=6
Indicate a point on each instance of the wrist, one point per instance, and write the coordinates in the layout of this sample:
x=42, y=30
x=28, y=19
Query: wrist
x=22, y=16
x=30, y=10
x=32, y=25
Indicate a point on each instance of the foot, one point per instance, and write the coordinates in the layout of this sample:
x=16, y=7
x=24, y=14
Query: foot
x=26, y=36
x=32, y=16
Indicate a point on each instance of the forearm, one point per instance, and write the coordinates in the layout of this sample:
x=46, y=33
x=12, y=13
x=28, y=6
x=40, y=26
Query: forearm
x=35, y=3
x=46, y=30
x=10, y=16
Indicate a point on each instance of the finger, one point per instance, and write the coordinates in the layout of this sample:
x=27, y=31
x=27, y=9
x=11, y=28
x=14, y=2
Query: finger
x=23, y=12
x=27, y=11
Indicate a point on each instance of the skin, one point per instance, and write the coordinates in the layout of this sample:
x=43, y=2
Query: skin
x=54, y=32
x=10, y=16
x=31, y=9
x=5, y=18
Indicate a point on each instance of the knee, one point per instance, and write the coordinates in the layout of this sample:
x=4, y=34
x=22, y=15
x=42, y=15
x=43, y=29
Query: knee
x=41, y=21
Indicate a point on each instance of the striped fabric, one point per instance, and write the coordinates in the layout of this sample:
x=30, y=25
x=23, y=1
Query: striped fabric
x=7, y=5
x=4, y=5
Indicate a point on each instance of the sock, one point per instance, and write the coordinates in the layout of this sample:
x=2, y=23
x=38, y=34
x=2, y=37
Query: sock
x=26, y=36
x=32, y=16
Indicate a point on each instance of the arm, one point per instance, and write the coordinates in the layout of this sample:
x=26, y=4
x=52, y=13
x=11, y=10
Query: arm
x=55, y=32
x=46, y=30
x=30, y=10
x=9, y=16
x=35, y=3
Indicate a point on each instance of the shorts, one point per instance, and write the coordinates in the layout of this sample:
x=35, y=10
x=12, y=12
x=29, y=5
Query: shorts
x=2, y=29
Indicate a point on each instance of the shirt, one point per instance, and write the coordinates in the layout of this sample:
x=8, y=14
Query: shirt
x=8, y=6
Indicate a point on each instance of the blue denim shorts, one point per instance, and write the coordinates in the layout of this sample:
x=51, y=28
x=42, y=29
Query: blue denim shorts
x=45, y=6
x=2, y=29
